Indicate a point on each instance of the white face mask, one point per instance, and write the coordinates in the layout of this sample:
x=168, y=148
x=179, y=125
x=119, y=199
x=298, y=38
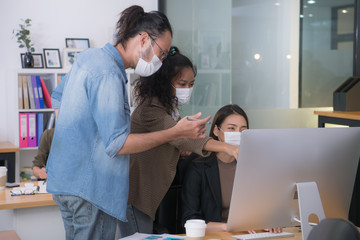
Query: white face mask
x=145, y=69
x=183, y=95
x=232, y=138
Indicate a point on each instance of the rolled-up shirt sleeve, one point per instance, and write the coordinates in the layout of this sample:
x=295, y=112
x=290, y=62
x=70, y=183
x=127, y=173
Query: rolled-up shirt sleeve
x=56, y=95
x=110, y=110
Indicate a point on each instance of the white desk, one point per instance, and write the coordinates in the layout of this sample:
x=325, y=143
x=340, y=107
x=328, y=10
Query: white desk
x=33, y=217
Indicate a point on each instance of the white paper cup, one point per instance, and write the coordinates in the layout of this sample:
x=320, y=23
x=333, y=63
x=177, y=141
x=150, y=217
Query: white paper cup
x=3, y=171
x=195, y=229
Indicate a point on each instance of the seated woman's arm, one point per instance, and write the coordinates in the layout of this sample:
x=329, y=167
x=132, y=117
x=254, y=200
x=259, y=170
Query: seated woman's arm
x=216, y=227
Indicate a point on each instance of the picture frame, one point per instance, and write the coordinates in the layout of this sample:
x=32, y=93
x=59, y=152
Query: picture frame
x=52, y=58
x=77, y=43
x=38, y=60
x=69, y=55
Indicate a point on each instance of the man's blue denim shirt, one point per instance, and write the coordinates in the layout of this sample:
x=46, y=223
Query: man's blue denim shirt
x=92, y=126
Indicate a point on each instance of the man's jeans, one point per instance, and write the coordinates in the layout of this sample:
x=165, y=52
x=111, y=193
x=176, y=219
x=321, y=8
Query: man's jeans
x=82, y=220
x=137, y=222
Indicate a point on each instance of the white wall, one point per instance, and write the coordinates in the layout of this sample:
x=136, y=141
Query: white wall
x=53, y=21
x=284, y=118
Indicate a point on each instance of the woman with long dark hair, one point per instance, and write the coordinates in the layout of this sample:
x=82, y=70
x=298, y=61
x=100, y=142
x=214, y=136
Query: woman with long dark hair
x=152, y=172
x=208, y=183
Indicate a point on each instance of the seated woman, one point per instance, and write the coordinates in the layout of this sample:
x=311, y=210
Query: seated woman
x=152, y=171
x=208, y=182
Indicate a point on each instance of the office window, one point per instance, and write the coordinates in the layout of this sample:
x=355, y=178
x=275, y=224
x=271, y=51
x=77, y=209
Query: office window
x=264, y=54
x=244, y=51
x=326, y=49
x=202, y=31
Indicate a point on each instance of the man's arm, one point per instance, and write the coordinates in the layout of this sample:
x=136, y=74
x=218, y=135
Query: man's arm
x=183, y=129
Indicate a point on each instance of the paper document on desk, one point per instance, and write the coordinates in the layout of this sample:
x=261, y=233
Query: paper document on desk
x=141, y=236
x=42, y=187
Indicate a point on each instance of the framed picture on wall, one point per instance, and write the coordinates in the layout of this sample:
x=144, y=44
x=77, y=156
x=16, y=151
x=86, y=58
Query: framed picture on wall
x=77, y=43
x=52, y=58
x=69, y=56
x=38, y=60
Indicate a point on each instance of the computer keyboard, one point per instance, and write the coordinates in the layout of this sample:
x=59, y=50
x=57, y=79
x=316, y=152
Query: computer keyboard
x=263, y=235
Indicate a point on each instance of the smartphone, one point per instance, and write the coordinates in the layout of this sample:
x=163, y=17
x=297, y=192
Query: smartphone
x=11, y=185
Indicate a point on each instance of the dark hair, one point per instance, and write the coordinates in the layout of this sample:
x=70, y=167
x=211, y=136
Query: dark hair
x=159, y=84
x=223, y=113
x=134, y=20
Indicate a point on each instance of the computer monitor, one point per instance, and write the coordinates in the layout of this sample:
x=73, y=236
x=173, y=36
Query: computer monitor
x=272, y=161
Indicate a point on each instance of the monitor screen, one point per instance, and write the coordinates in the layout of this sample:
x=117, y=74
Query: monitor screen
x=272, y=161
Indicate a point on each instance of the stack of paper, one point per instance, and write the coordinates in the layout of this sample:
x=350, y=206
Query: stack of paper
x=141, y=236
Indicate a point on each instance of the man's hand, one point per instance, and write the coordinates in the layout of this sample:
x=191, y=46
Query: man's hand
x=192, y=128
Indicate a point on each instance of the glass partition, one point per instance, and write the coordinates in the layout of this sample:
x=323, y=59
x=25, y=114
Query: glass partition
x=202, y=31
x=264, y=54
x=326, y=49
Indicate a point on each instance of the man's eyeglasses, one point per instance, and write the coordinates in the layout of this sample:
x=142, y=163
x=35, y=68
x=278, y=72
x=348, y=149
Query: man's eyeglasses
x=163, y=53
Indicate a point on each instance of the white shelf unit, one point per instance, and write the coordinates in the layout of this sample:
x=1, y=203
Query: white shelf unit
x=25, y=157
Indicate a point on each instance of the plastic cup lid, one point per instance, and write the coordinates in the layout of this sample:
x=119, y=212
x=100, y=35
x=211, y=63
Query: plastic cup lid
x=195, y=223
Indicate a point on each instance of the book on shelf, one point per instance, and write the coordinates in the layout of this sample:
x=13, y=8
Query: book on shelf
x=23, y=130
x=51, y=121
x=39, y=126
x=32, y=126
x=20, y=93
x=46, y=95
x=35, y=91
x=25, y=92
x=41, y=98
x=31, y=93
x=32, y=130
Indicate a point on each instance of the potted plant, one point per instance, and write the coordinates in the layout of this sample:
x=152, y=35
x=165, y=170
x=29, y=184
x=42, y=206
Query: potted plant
x=24, y=41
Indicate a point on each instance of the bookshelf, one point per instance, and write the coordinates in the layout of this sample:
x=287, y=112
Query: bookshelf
x=211, y=88
x=51, y=78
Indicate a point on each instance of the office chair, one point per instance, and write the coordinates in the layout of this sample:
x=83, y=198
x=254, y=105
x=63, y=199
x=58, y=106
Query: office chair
x=334, y=229
x=168, y=215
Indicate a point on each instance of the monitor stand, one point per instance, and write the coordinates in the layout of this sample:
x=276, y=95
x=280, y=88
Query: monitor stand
x=309, y=203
